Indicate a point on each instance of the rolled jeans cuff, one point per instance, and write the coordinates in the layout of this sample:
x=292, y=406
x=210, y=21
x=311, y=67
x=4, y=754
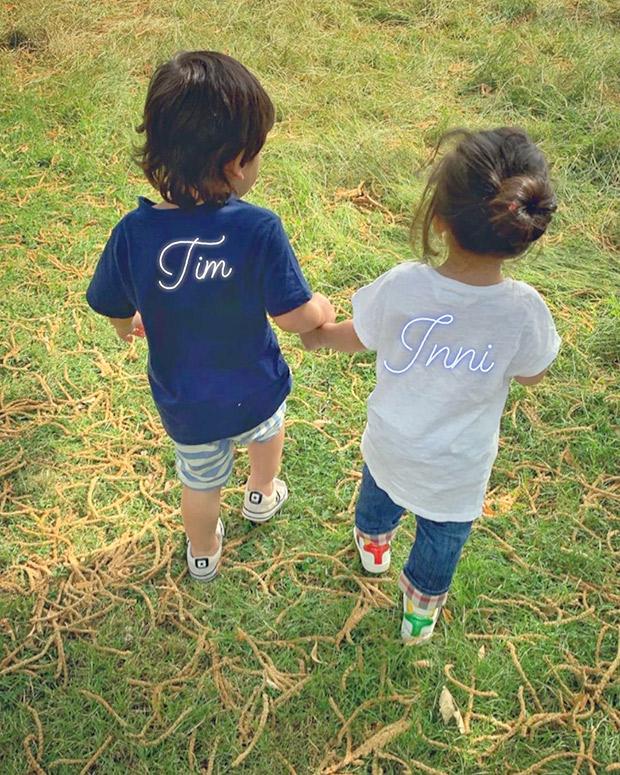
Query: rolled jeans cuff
x=419, y=599
x=382, y=539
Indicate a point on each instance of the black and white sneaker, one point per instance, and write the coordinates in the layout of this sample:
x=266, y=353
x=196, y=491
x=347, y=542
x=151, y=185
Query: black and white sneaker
x=205, y=568
x=258, y=507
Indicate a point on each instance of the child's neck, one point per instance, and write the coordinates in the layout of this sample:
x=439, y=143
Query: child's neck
x=163, y=205
x=471, y=268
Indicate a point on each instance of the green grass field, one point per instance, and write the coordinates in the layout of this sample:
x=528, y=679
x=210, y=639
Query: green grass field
x=111, y=660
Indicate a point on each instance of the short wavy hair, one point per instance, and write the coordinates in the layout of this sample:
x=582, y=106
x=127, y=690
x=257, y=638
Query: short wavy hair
x=202, y=110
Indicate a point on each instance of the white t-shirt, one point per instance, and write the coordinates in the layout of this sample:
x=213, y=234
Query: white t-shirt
x=445, y=354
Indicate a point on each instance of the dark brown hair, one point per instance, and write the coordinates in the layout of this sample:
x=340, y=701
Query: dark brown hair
x=493, y=190
x=202, y=109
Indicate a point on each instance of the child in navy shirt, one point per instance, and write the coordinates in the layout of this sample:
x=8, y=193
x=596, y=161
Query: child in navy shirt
x=198, y=273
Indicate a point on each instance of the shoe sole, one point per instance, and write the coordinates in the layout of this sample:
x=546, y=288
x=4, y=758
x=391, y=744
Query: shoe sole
x=263, y=517
x=408, y=641
x=369, y=569
x=203, y=579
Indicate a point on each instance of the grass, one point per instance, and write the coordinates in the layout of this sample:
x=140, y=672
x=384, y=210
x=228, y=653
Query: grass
x=111, y=661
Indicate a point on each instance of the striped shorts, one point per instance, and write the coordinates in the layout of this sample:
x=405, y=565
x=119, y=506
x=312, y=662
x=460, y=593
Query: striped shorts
x=208, y=466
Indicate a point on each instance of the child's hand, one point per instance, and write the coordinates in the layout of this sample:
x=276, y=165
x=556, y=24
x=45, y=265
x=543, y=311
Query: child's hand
x=138, y=326
x=326, y=307
x=311, y=340
x=336, y=336
x=127, y=328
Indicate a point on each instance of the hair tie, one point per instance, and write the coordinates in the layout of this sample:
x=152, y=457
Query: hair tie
x=513, y=206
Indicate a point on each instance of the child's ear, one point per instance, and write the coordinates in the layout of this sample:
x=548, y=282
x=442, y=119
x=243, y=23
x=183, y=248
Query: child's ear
x=439, y=225
x=233, y=169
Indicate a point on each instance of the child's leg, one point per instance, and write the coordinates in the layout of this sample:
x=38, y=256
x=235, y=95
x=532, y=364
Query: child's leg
x=200, y=510
x=265, y=459
x=427, y=576
x=376, y=520
x=264, y=494
x=203, y=469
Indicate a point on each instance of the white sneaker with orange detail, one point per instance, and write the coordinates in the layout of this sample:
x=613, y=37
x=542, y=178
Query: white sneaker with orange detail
x=375, y=558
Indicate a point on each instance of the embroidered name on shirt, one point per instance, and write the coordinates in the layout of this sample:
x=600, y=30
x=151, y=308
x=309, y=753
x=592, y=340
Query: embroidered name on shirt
x=203, y=268
x=425, y=327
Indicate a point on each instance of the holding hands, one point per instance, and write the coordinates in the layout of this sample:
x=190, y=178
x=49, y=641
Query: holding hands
x=326, y=307
x=336, y=336
x=312, y=339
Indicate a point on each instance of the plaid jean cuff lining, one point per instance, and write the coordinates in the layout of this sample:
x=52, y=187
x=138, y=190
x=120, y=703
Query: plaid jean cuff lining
x=418, y=598
x=378, y=540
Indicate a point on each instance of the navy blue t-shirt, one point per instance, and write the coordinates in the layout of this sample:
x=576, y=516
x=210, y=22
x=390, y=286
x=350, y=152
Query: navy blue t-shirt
x=204, y=282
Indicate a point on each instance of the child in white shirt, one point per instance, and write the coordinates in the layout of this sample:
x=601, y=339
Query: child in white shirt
x=448, y=340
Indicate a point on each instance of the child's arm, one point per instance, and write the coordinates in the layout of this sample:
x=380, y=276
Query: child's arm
x=336, y=336
x=527, y=381
x=308, y=316
x=127, y=328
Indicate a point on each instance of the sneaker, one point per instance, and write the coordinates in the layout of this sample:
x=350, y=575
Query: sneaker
x=375, y=559
x=258, y=507
x=205, y=568
x=417, y=629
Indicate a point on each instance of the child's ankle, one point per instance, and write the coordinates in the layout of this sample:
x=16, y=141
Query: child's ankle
x=265, y=487
x=206, y=548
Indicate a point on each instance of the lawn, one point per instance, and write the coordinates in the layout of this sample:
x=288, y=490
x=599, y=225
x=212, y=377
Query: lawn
x=111, y=660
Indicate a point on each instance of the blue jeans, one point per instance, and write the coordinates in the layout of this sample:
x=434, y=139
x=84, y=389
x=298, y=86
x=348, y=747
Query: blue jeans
x=437, y=546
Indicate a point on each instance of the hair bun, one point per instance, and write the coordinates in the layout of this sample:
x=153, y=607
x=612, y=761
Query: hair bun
x=522, y=208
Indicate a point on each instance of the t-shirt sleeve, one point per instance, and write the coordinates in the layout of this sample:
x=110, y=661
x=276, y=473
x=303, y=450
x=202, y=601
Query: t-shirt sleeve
x=284, y=286
x=539, y=341
x=109, y=291
x=369, y=303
